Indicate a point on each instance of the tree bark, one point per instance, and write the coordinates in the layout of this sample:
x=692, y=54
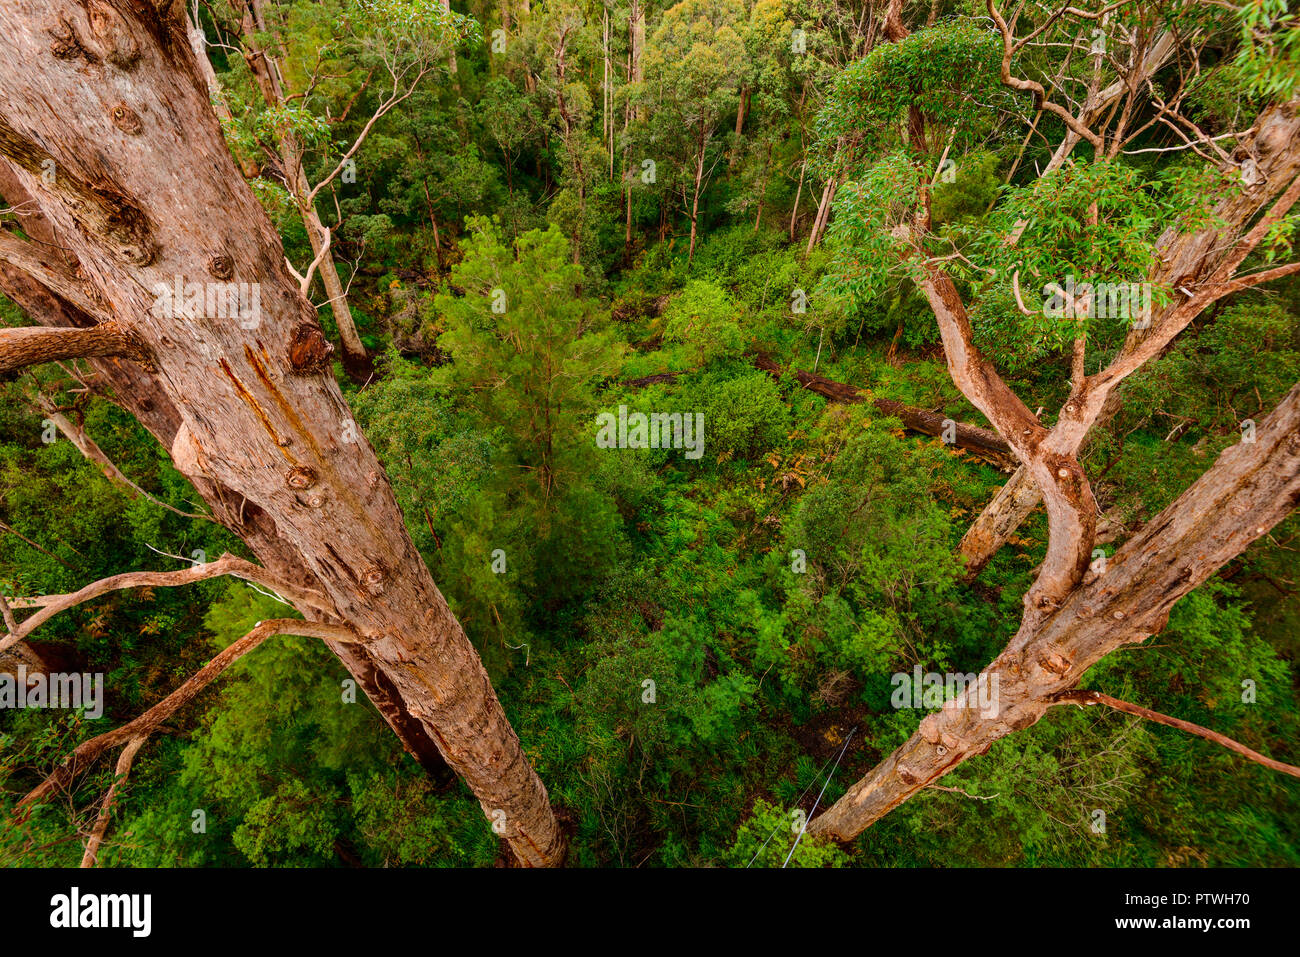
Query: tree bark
x=1251, y=488
x=32, y=345
x=1185, y=260
x=268, y=429
x=138, y=392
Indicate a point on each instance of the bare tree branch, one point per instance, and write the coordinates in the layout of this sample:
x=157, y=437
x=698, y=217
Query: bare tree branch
x=1030, y=86
x=89, y=448
x=124, y=760
x=51, y=605
x=1087, y=698
x=143, y=726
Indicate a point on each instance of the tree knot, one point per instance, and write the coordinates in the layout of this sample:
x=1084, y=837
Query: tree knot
x=300, y=477
x=309, y=350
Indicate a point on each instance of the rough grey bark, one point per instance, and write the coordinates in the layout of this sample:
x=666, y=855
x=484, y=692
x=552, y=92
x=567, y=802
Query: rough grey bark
x=145, y=191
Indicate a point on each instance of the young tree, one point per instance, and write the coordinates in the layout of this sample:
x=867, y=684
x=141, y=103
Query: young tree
x=135, y=181
x=526, y=347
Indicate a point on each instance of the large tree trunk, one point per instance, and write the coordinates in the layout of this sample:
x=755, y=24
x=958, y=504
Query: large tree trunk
x=137, y=391
x=1251, y=488
x=146, y=192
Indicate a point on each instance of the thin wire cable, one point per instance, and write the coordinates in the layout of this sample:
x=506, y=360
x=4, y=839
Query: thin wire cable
x=796, y=801
x=819, y=798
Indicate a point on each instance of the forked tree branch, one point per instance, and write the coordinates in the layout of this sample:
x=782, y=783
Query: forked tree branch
x=1249, y=489
x=1030, y=86
x=1182, y=254
x=304, y=279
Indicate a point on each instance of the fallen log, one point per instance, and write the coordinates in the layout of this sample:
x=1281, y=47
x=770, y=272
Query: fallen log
x=983, y=443
x=651, y=379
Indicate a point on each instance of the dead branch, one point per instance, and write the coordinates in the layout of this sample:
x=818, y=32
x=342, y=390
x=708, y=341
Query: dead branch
x=227, y=564
x=124, y=760
x=1087, y=698
x=90, y=449
x=146, y=724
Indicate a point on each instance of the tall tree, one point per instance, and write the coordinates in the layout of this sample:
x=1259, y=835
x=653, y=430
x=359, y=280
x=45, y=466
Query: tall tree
x=694, y=64
x=399, y=43
x=107, y=125
x=1075, y=612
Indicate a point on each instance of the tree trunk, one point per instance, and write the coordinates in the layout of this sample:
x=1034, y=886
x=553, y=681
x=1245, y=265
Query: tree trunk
x=794, y=212
x=823, y=214
x=356, y=360
x=261, y=421
x=1276, y=148
x=266, y=72
x=26, y=655
x=1251, y=488
x=695, y=200
x=636, y=46
x=636, y=34
x=138, y=392
x=981, y=442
